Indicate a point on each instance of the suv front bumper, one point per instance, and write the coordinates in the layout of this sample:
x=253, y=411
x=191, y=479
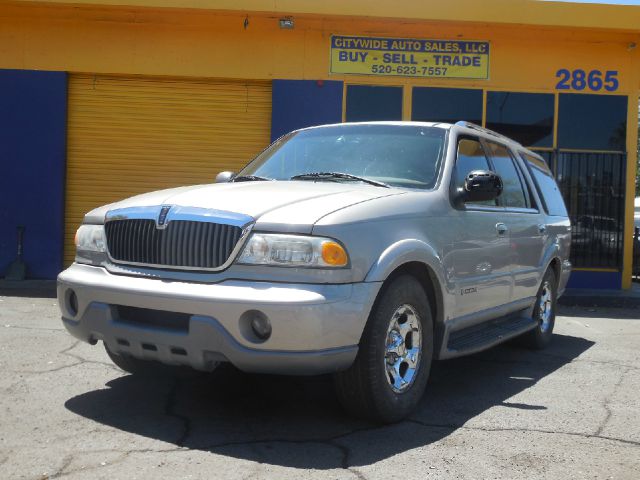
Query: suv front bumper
x=316, y=328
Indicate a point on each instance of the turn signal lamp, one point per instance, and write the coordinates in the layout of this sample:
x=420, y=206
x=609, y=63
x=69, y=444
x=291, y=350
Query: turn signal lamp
x=333, y=254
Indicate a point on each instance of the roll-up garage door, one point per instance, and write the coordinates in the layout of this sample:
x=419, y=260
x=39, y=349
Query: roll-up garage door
x=129, y=135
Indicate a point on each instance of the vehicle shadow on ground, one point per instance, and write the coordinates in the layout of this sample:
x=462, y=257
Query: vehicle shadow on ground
x=297, y=422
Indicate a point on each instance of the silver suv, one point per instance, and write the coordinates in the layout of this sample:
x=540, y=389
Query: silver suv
x=366, y=250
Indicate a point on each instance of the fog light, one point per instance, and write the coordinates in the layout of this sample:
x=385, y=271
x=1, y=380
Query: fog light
x=255, y=326
x=72, y=302
x=261, y=326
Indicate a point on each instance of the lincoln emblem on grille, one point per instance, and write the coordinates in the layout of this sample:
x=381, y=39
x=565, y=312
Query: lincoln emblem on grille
x=162, y=218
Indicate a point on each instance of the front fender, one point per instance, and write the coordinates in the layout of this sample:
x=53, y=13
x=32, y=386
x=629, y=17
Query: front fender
x=405, y=251
x=412, y=250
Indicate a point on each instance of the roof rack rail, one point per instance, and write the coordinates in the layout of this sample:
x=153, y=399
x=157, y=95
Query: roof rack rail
x=463, y=123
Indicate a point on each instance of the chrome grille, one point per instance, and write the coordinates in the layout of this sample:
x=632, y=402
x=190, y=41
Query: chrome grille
x=182, y=244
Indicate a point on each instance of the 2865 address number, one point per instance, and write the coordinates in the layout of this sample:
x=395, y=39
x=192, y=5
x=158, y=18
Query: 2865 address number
x=594, y=80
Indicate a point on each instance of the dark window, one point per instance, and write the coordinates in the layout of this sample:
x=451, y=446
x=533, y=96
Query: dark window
x=513, y=195
x=470, y=157
x=592, y=122
x=446, y=105
x=367, y=103
x=524, y=117
x=547, y=188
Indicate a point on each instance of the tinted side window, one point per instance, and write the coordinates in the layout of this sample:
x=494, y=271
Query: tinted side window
x=470, y=157
x=513, y=195
x=546, y=185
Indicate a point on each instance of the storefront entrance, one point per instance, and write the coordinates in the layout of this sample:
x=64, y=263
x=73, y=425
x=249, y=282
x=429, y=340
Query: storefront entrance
x=582, y=137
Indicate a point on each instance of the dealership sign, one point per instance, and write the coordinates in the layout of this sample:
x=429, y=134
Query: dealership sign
x=407, y=57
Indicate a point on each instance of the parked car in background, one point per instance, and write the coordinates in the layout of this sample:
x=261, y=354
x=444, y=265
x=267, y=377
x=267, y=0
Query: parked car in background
x=364, y=250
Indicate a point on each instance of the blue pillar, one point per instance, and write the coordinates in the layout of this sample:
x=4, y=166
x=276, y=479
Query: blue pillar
x=33, y=126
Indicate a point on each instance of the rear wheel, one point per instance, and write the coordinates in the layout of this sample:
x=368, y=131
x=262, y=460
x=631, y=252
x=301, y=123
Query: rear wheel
x=544, y=312
x=389, y=375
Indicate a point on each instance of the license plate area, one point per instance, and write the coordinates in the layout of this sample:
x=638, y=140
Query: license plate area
x=147, y=317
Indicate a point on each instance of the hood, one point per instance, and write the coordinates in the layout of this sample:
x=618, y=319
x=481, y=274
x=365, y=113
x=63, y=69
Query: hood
x=292, y=205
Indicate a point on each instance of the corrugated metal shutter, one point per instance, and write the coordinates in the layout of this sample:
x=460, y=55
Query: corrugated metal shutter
x=128, y=135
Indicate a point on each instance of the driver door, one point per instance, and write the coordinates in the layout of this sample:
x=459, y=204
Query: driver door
x=478, y=261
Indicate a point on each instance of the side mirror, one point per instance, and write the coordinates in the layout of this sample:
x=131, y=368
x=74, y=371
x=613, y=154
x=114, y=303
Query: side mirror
x=225, y=177
x=482, y=185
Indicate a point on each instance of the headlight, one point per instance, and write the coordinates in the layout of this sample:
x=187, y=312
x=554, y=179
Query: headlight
x=293, y=251
x=90, y=238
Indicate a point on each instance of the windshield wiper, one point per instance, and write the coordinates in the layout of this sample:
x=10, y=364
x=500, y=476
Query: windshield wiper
x=320, y=175
x=249, y=178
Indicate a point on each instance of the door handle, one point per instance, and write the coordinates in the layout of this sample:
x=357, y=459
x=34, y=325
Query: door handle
x=542, y=228
x=501, y=228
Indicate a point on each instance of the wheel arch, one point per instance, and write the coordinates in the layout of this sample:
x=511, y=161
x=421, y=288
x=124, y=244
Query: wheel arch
x=429, y=282
x=551, y=259
x=418, y=259
x=556, y=265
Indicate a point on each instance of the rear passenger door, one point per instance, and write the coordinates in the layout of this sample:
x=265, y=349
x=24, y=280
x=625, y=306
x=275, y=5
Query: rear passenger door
x=523, y=220
x=477, y=262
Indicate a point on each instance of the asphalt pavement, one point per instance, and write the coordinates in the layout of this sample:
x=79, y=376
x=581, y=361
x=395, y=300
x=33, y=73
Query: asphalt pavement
x=571, y=411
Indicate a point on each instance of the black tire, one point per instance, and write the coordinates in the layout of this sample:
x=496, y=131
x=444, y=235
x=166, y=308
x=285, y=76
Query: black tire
x=136, y=366
x=540, y=337
x=365, y=389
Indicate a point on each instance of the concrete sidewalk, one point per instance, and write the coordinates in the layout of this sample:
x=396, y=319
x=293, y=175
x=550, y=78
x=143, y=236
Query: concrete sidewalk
x=28, y=288
x=593, y=297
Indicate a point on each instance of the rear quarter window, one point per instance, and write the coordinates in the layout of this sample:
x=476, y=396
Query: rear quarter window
x=546, y=185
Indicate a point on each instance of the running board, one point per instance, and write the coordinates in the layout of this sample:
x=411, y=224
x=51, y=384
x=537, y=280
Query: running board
x=486, y=335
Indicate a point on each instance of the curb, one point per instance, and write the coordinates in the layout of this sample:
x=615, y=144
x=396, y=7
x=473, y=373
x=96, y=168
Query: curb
x=28, y=288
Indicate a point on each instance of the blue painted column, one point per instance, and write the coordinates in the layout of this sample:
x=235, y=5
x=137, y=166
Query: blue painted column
x=33, y=128
x=304, y=103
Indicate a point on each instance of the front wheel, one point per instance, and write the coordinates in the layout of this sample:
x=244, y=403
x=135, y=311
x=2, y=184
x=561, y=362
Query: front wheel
x=389, y=375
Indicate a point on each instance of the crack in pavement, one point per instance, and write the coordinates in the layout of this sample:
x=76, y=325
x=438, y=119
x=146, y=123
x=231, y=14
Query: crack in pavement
x=170, y=411
x=171, y=406
x=69, y=348
x=82, y=360
x=607, y=399
x=331, y=441
x=516, y=429
x=21, y=327
x=66, y=461
x=346, y=454
x=66, y=352
x=64, y=472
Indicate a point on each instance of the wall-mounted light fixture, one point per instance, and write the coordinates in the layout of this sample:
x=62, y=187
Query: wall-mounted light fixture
x=287, y=23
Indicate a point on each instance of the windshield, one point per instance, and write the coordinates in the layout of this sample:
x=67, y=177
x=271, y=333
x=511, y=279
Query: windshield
x=402, y=156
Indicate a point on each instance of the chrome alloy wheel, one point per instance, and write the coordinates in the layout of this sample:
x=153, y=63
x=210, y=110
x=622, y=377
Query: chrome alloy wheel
x=545, y=306
x=403, y=348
